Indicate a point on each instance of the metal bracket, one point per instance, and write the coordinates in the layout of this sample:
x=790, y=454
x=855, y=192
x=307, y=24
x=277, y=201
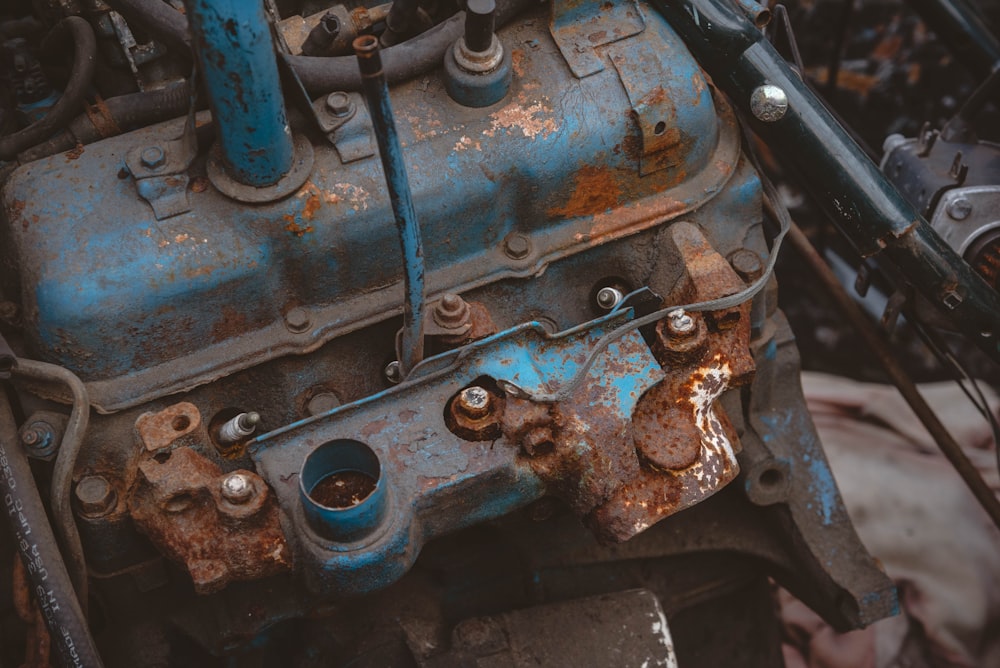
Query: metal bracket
x=350, y=131
x=160, y=170
x=579, y=27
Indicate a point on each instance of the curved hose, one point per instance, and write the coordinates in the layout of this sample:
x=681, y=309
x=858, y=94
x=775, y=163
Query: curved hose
x=84, y=61
x=62, y=472
x=46, y=571
x=324, y=74
x=126, y=112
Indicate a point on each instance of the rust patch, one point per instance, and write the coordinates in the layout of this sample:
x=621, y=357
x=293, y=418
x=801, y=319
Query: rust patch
x=159, y=430
x=517, y=59
x=231, y=324
x=291, y=225
x=313, y=203
x=74, y=153
x=595, y=190
x=532, y=120
x=178, y=504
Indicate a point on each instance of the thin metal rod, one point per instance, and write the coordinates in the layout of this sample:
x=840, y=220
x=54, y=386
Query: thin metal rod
x=896, y=373
x=62, y=472
x=376, y=93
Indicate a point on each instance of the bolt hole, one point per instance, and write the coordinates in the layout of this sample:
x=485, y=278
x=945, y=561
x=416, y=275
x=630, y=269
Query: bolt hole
x=180, y=423
x=659, y=128
x=161, y=457
x=345, y=489
x=770, y=478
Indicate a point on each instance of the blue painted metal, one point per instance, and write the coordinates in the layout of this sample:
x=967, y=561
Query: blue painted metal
x=342, y=524
x=558, y=162
x=233, y=45
x=376, y=92
x=437, y=482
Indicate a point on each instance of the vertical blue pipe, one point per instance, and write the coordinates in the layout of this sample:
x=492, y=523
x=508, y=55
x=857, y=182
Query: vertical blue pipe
x=376, y=92
x=232, y=40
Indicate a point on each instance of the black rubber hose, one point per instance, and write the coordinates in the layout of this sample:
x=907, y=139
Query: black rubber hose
x=324, y=74
x=127, y=112
x=37, y=545
x=81, y=75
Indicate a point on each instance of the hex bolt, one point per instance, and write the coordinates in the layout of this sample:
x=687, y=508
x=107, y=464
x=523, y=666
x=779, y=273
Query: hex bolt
x=238, y=428
x=451, y=312
x=323, y=402
x=680, y=323
x=95, y=496
x=517, y=246
x=959, y=208
x=474, y=402
x=393, y=372
x=297, y=319
x=237, y=488
x=746, y=264
x=608, y=298
x=339, y=103
x=152, y=157
x=768, y=103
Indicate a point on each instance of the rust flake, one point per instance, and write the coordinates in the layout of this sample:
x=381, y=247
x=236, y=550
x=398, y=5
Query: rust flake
x=530, y=119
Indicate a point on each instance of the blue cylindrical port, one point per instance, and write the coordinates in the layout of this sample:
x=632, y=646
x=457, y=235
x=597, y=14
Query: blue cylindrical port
x=232, y=41
x=343, y=496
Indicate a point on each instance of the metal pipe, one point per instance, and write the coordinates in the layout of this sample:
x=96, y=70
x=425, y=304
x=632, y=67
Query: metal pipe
x=62, y=472
x=896, y=373
x=376, y=93
x=232, y=43
x=851, y=190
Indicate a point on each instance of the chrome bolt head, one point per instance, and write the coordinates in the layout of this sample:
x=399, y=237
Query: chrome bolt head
x=680, y=322
x=768, y=103
x=474, y=402
x=393, y=372
x=237, y=488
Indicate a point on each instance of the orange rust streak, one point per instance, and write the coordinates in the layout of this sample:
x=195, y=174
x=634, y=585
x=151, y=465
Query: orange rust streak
x=595, y=190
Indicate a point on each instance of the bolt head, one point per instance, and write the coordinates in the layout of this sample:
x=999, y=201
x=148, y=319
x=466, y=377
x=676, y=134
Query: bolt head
x=959, y=208
x=237, y=488
x=95, y=495
x=747, y=264
x=297, y=319
x=608, y=298
x=517, y=246
x=152, y=157
x=394, y=372
x=324, y=402
x=474, y=402
x=768, y=103
x=339, y=103
x=680, y=322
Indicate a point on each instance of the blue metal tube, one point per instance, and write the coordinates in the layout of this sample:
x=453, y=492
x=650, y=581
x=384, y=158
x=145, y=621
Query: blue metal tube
x=376, y=92
x=232, y=41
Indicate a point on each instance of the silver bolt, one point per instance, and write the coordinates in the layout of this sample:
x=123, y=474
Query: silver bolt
x=768, y=103
x=680, y=322
x=474, y=401
x=297, y=319
x=237, y=488
x=324, y=402
x=959, y=208
x=152, y=157
x=608, y=298
x=393, y=372
x=238, y=428
x=339, y=103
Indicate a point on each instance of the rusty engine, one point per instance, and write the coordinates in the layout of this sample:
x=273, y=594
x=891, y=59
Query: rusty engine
x=400, y=335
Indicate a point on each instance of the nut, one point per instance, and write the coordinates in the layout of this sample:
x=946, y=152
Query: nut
x=474, y=414
x=451, y=312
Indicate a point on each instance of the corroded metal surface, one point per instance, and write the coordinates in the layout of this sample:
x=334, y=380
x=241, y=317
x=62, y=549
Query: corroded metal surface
x=181, y=502
x=684, y=439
